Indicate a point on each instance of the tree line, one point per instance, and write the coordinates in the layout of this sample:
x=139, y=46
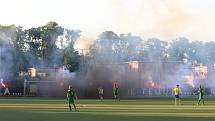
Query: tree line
x=52, y=45
x=126, y=47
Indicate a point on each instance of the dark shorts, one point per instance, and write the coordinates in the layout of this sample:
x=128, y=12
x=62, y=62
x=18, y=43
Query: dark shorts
x=116, y=93
x=177, y=96
x=71, y=101
x=100, y=94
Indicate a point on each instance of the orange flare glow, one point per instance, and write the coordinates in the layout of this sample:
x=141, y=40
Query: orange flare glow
x=189, y=79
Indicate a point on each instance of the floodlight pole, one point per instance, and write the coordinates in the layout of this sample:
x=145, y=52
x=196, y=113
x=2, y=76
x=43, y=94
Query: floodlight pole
x=25, y=81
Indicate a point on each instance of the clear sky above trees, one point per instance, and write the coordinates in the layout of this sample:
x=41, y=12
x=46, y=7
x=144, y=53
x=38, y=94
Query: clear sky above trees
x=165, y=19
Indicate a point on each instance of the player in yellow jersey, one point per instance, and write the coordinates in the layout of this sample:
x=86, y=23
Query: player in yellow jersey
x=176, y=92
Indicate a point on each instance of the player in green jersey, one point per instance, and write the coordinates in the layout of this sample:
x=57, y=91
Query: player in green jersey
x=71, y=95
x=116, y=92
x=201, y=95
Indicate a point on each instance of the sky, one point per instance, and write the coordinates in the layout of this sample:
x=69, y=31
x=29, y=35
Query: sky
x=164, y=19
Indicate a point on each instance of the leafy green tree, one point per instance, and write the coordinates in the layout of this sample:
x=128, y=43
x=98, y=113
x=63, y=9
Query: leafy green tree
x=104, y=48
x=154, y=50
x=20, y=63
x=71, y=58
x=129, y=47
x=196, y=52
x=13, y=56
x=42, y=43
x=209, y=53
x=179, y=49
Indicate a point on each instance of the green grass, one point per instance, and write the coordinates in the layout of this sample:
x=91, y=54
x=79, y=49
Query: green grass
x=149, y=109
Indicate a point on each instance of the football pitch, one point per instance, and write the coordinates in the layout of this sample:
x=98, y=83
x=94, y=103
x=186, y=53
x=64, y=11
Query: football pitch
x=148, y=109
